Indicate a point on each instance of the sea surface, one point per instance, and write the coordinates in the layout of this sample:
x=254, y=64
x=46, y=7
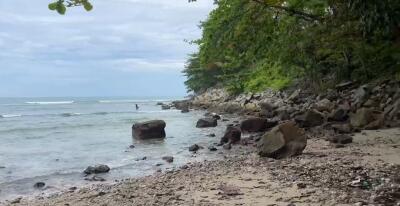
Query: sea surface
x=53, y=140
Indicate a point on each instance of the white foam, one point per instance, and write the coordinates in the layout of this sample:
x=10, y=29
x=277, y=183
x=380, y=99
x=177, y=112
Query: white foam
x=70, y=114
x=131, y=101
x=10, y=115
x=45, y=103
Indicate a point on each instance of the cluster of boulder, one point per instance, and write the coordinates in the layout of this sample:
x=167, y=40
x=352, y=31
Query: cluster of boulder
x=368, y=106
x=282, y=117
x=183, y=105
x=347, y=108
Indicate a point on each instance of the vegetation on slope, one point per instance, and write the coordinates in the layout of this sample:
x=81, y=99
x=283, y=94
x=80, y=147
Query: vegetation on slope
x=251, y=45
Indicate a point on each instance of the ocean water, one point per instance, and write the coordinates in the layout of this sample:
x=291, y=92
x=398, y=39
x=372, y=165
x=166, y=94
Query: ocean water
x=54, y=139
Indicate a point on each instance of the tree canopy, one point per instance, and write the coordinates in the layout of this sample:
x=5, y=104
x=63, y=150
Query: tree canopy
x=251, y=45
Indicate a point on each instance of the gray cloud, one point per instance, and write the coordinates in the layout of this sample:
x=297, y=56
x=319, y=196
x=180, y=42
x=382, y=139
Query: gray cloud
x=119, y=38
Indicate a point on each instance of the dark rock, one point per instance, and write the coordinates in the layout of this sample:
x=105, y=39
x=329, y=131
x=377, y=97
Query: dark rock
x=95, y=179
x=206, y=122
x=194, y=148
x=165, y=107
x=212, y=148
x=97, y=169
x=168, y=159
x=342, y=128
x=284, y=140
x=311, y=118
x=282, y=113
x=159, y=164
x=256, y=124
x=267, y=106
x=39, y=185
x=131, y=146
x=227, y=146
x=338, y=114
x=182, y=105
x=143, y=158
x=340, y=139
x=72, y=188
x=149, y=130
x=211, y=135
x=184, y=167
x=185, y=110
x=16, y=200
x=232, y=135
x=301, y=185
x=159, y=103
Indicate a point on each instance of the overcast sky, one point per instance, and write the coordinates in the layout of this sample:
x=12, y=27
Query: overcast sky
x=121, y=48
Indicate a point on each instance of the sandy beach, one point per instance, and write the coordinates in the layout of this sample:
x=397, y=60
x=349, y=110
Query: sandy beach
x=363, y=172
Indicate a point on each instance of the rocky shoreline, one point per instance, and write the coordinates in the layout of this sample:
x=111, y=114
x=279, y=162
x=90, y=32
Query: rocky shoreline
x=341, y=147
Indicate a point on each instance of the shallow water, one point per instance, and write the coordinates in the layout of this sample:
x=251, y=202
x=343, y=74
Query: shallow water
x=55, y=139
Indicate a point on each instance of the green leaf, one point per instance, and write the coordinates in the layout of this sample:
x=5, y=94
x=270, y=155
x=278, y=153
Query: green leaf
x=88, y=6
x=61, y=9
x=53, y=6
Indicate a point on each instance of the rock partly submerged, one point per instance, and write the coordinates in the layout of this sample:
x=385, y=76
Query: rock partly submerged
x=149, y=130
x=206, y=122
x=97, y=169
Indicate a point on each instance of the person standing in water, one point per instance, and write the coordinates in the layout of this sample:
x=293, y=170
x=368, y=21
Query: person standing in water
x=137, y=107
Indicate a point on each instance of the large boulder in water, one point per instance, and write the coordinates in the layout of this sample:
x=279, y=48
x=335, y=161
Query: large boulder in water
x=149, y=130
x=97, y=169
x=284, y=140
x=256, y=124
x=206, y=122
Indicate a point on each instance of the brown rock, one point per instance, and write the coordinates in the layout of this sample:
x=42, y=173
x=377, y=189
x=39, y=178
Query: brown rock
x=256, y=124
x=232, y=135
x=367, y=118
x=149, y=130
x=311, y=118
x=284, y=140
x=206, y=122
